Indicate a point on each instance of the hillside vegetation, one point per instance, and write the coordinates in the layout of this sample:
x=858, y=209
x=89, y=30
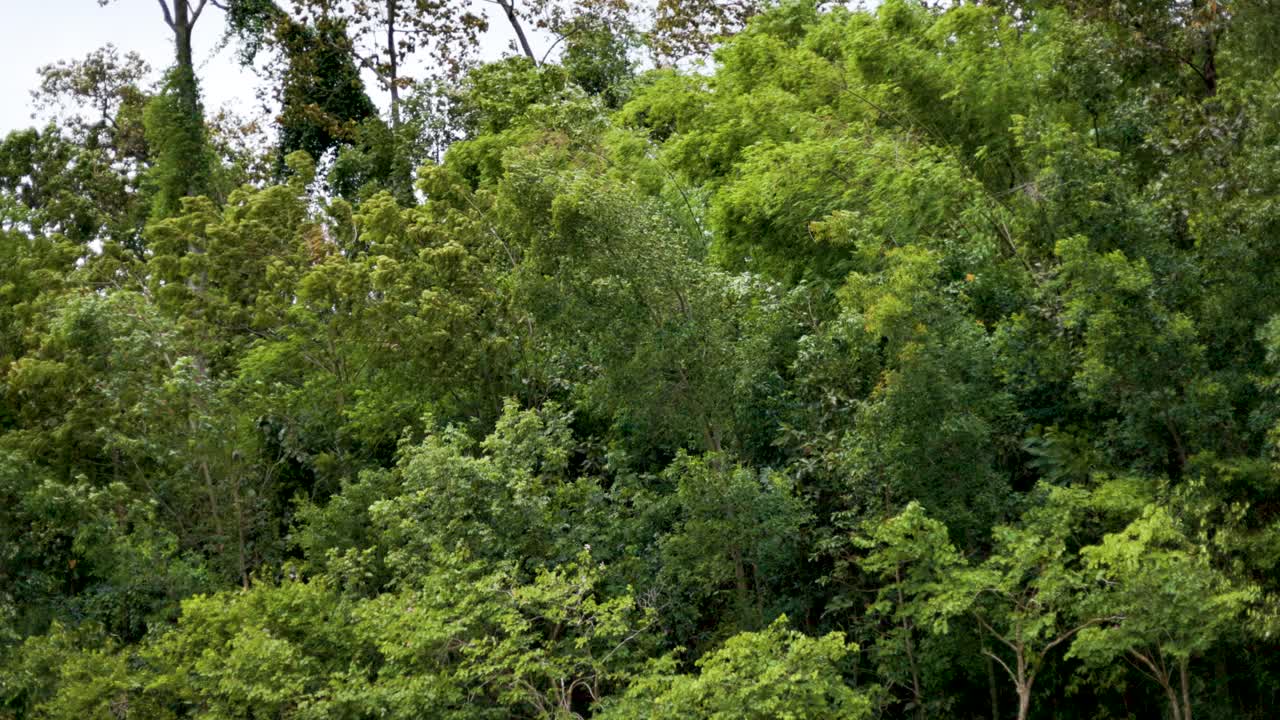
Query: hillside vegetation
x=916, y=362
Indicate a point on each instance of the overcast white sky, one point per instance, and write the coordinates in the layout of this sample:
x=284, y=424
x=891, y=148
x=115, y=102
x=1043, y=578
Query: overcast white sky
x=34, y=33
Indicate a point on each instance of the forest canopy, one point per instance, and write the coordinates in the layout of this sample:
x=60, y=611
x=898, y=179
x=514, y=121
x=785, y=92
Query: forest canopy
x=699, y=359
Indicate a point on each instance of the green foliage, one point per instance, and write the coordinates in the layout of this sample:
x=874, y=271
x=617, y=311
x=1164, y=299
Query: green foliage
x=945, y=329
x=773, y=673
x=323, y=98
x=515, y=502
x=176, y=133
x=734, y=541
x=596, y=55
x=1162, y=602
x=912, y=559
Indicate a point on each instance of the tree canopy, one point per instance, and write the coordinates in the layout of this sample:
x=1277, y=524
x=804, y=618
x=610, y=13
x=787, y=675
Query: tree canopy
x=715, y=360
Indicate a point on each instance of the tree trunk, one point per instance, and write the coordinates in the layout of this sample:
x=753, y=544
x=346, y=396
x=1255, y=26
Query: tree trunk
x=1026, y=678
x=393, y=79
x=1208, y=45
x=992, y=687
x=916, y=693
x=509, y=8
x=1185, y=679
x=740, y=583
x=1222, y=682
x=1175, y=708
x=185, y=80
x=183, y=148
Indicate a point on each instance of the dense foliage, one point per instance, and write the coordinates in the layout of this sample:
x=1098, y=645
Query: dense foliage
x=921, y=361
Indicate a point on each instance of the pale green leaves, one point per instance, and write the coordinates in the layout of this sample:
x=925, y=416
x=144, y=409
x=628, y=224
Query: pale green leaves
x=774, y=673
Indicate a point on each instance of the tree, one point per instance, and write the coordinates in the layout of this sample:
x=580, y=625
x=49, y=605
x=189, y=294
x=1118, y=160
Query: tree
x=913, y=558
x=735, y=533
x=88, y=178
x=388, y=32
x=104, y=80
x=175, y=119
x=1024, y=596
x=514, y=503
x=322, y=96
x=684, y=28
x=646, y=362
x=772, y=673
x=1164, y=604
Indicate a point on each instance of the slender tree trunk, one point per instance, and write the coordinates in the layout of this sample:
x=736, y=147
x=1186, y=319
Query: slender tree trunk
x=509, y=8
x=712, y=435
x=1024, y=701
x=992, y=687
x=1208, y=46
x=916, y=693
x=1222, y=682
x=741, y=590
x=1160, y=673
x=244, y=568
x=1026, y=678
x=393, y=76
x=214, y=510
x=1185, y=679
x=1210, y=70
x=1175, y=707
x=756, y=585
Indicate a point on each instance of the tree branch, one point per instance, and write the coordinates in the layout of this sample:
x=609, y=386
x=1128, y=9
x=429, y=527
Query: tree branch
x=509, y=8
x=1067, y=635
x=1012, y=676
x=168, y=16
x=994, y=634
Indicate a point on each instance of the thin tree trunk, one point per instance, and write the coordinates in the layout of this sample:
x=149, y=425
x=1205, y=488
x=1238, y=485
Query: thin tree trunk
x=393, y=78
x=509, y=8
x=992, y=687
x=1186, y=690
x=1222, y=682
x=756, y=585
x=1160, y=674
x=244, y=570
x=1174, y=706
x=916, y=693
x=1026, y=678
x=740, y=583
x=213, y=498
x=1208, y=65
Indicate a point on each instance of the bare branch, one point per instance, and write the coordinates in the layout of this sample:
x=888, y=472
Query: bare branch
x=195, y=14
x=1067, y=635
x=1012, y=676
x=168, y=16
x=995, y=634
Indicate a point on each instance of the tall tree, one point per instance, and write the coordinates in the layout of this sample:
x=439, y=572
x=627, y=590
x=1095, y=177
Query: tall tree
x=389, y=32
x=322, y=96
x=176, y=118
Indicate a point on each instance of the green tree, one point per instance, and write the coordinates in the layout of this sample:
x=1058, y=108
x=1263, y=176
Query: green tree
x=736, y=532
x=913, y=558
x=773, y=673
x=1164, y=605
